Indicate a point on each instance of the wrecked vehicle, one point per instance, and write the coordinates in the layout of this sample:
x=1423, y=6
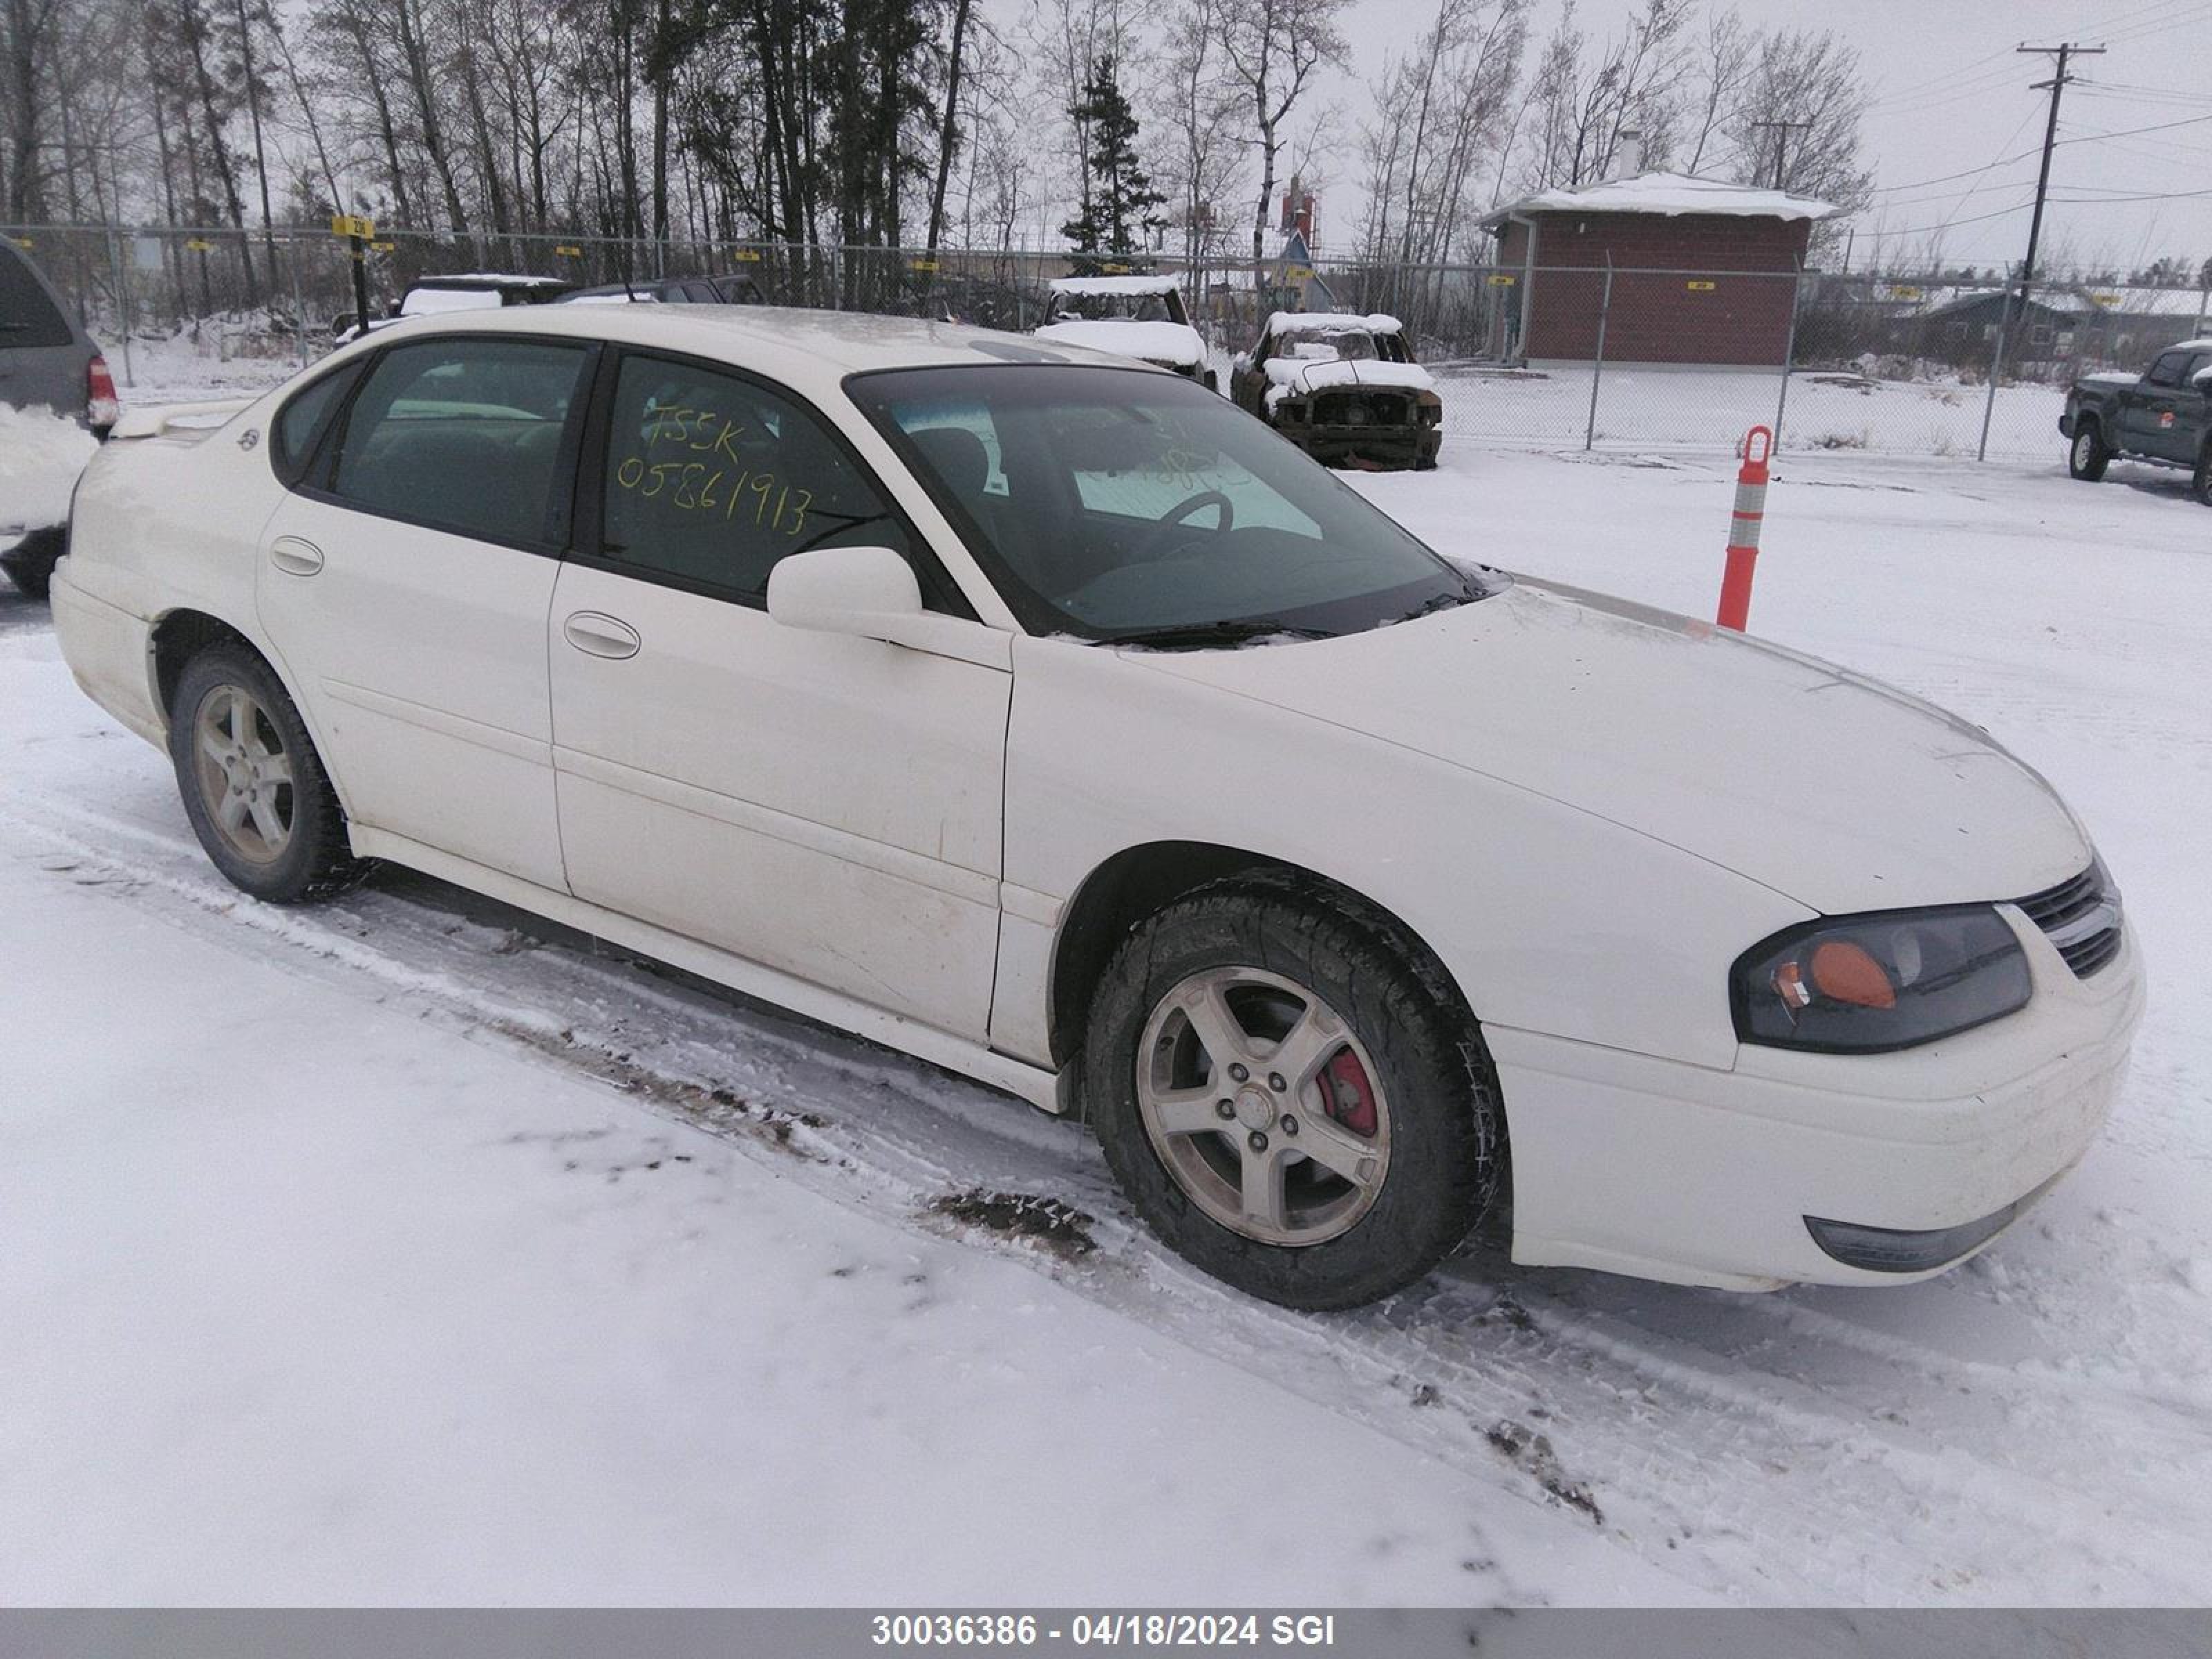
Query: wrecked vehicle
x=1343, y=387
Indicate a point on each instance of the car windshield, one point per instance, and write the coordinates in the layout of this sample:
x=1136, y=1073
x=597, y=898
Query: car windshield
x=1112, y=308
x=1119, y=505
x=1328, y=346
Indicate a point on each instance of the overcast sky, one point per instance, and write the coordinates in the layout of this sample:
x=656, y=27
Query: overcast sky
x=1951, y=97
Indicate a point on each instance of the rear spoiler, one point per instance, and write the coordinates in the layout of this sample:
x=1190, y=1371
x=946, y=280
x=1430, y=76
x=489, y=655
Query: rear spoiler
x=164, y=418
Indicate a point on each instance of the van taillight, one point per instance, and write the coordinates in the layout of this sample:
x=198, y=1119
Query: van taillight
x=101, y=405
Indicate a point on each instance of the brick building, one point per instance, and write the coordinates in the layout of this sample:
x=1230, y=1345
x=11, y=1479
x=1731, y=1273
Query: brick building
x=1704, y=272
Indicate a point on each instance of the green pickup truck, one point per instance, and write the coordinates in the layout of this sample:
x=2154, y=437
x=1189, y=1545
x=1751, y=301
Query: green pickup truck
x=2163, y=416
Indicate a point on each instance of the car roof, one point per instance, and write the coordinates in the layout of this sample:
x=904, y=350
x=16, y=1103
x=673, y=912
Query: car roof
x=804, y=349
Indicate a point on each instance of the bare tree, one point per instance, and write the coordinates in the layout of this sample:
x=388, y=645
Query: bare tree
x=1199, y=105
x=1585, y=98
x=1814, y=81
x=1274, y=47
x=1719, y=75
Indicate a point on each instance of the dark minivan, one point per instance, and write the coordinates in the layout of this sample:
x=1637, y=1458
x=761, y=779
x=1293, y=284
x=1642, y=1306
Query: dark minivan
x=46, y=362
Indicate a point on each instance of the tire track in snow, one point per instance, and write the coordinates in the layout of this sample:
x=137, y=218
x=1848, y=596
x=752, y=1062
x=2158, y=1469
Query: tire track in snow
x=1738, y=1476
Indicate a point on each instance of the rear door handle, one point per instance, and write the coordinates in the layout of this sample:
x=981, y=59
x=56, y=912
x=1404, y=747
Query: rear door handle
x=601, y=635
x=295, y=557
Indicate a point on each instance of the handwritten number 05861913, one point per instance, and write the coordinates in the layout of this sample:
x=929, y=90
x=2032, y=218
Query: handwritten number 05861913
x=691, y=487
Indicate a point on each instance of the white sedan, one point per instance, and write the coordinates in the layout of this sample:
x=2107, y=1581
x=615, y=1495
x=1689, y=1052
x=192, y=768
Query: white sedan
x=1048, y=718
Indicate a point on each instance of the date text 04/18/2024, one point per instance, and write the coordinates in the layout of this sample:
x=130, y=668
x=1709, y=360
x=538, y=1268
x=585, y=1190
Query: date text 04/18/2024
x=1133, y=1630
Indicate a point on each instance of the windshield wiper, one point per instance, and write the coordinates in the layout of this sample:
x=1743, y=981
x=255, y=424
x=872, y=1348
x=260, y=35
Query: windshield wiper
x=1429, y=607
x=1197, y=636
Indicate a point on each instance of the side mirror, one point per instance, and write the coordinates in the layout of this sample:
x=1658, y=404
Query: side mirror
x=867, y=592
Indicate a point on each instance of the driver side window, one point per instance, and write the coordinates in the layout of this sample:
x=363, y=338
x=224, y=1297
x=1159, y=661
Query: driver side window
x=714, y=480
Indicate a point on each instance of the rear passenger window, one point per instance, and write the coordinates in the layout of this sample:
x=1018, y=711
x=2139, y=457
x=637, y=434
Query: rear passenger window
x=303, y=418
x=27, y=317
x=714, y=480
x=464, y=436
x=2167, y=371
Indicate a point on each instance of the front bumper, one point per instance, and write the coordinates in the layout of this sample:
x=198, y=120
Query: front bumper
x=2066, y=423
x=1692, y=1176
x=1377, y=445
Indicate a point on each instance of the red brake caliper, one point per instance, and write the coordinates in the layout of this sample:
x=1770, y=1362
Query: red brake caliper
x=1349, y=1095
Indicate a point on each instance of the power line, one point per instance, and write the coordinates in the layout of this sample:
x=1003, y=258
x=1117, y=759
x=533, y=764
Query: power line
x=1922, y=230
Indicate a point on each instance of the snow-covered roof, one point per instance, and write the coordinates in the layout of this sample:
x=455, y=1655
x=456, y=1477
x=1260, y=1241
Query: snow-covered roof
x=2148, y=302
x=1669, y=193
x=1331, y=322
x=422, y=301
x=1162, y=283
x=1155, y=342
x=489, y=278
x=1935, y=301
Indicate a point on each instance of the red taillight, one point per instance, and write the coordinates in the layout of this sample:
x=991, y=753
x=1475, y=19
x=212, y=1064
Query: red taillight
x=102, y=407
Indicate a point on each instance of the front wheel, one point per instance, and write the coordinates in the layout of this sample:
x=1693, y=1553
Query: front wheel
x=1290, y=1094
x=253, y=787
x=2088, y=458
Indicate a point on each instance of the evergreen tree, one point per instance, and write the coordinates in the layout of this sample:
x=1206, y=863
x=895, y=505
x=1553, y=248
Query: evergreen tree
x=1118, y=202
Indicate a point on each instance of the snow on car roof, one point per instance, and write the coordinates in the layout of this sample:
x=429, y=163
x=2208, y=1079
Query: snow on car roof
x=1158, y=284
x=1329, y=322
x=504, y=279
x=1157, y=341
x=1669, y=193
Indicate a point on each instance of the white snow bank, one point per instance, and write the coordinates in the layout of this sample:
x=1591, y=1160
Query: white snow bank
x=1335, y=322
x=1670, y=193
x=41, y=455
x=1157, y=342
x=1294, y=377
x=1115, y=285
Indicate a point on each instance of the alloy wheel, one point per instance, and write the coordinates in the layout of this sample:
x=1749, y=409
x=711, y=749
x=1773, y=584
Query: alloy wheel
x=245, y=775
x=1267, y=1111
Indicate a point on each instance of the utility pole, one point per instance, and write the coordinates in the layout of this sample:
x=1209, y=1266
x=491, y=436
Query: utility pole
x=2057, y=84
x=1782, y=142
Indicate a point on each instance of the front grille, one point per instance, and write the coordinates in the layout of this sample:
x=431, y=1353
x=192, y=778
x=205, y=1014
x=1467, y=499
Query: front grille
x=1359, y=408
x=2082, y=917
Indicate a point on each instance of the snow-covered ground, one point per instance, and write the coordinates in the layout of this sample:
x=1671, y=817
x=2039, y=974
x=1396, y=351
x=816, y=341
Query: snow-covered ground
x=404, y=1249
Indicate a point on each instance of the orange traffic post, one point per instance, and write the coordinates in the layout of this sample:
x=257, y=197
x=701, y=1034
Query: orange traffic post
x=1743, y=529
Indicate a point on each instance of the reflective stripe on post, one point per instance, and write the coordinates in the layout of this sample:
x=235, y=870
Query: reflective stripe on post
x=1743, y=529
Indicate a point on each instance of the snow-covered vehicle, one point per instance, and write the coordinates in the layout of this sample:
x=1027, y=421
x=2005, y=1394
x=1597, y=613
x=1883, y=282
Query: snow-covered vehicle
x=735, y=288
x=1343, y=388
x=57, y=398
x=2163, y=416
x=1139, y=317
x=1048, y=720
x=434, y=296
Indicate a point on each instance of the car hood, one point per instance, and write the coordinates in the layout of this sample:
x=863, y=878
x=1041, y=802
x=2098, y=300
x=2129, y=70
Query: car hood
x=1298, y=376
x=1832, y=788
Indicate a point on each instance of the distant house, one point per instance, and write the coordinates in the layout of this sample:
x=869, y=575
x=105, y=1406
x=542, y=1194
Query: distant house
x=2063, y=325
x=1705, y=273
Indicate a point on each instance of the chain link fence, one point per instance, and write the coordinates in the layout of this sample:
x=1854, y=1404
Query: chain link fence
x=1541, y=357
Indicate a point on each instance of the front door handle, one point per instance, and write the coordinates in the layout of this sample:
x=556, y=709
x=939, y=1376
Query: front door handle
x=601, y=635
x=295, y=557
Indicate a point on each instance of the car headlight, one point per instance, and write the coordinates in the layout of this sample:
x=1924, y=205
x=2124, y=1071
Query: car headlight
x=1869, y=983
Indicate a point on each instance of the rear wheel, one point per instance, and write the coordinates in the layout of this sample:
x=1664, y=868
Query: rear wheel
x=253, y=787
x=1290, y=1094
x=2200, y=480
x=2088, y=458
x=30, y=563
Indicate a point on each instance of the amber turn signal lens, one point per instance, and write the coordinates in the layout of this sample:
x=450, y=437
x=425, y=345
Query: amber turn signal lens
x=1847, y=973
